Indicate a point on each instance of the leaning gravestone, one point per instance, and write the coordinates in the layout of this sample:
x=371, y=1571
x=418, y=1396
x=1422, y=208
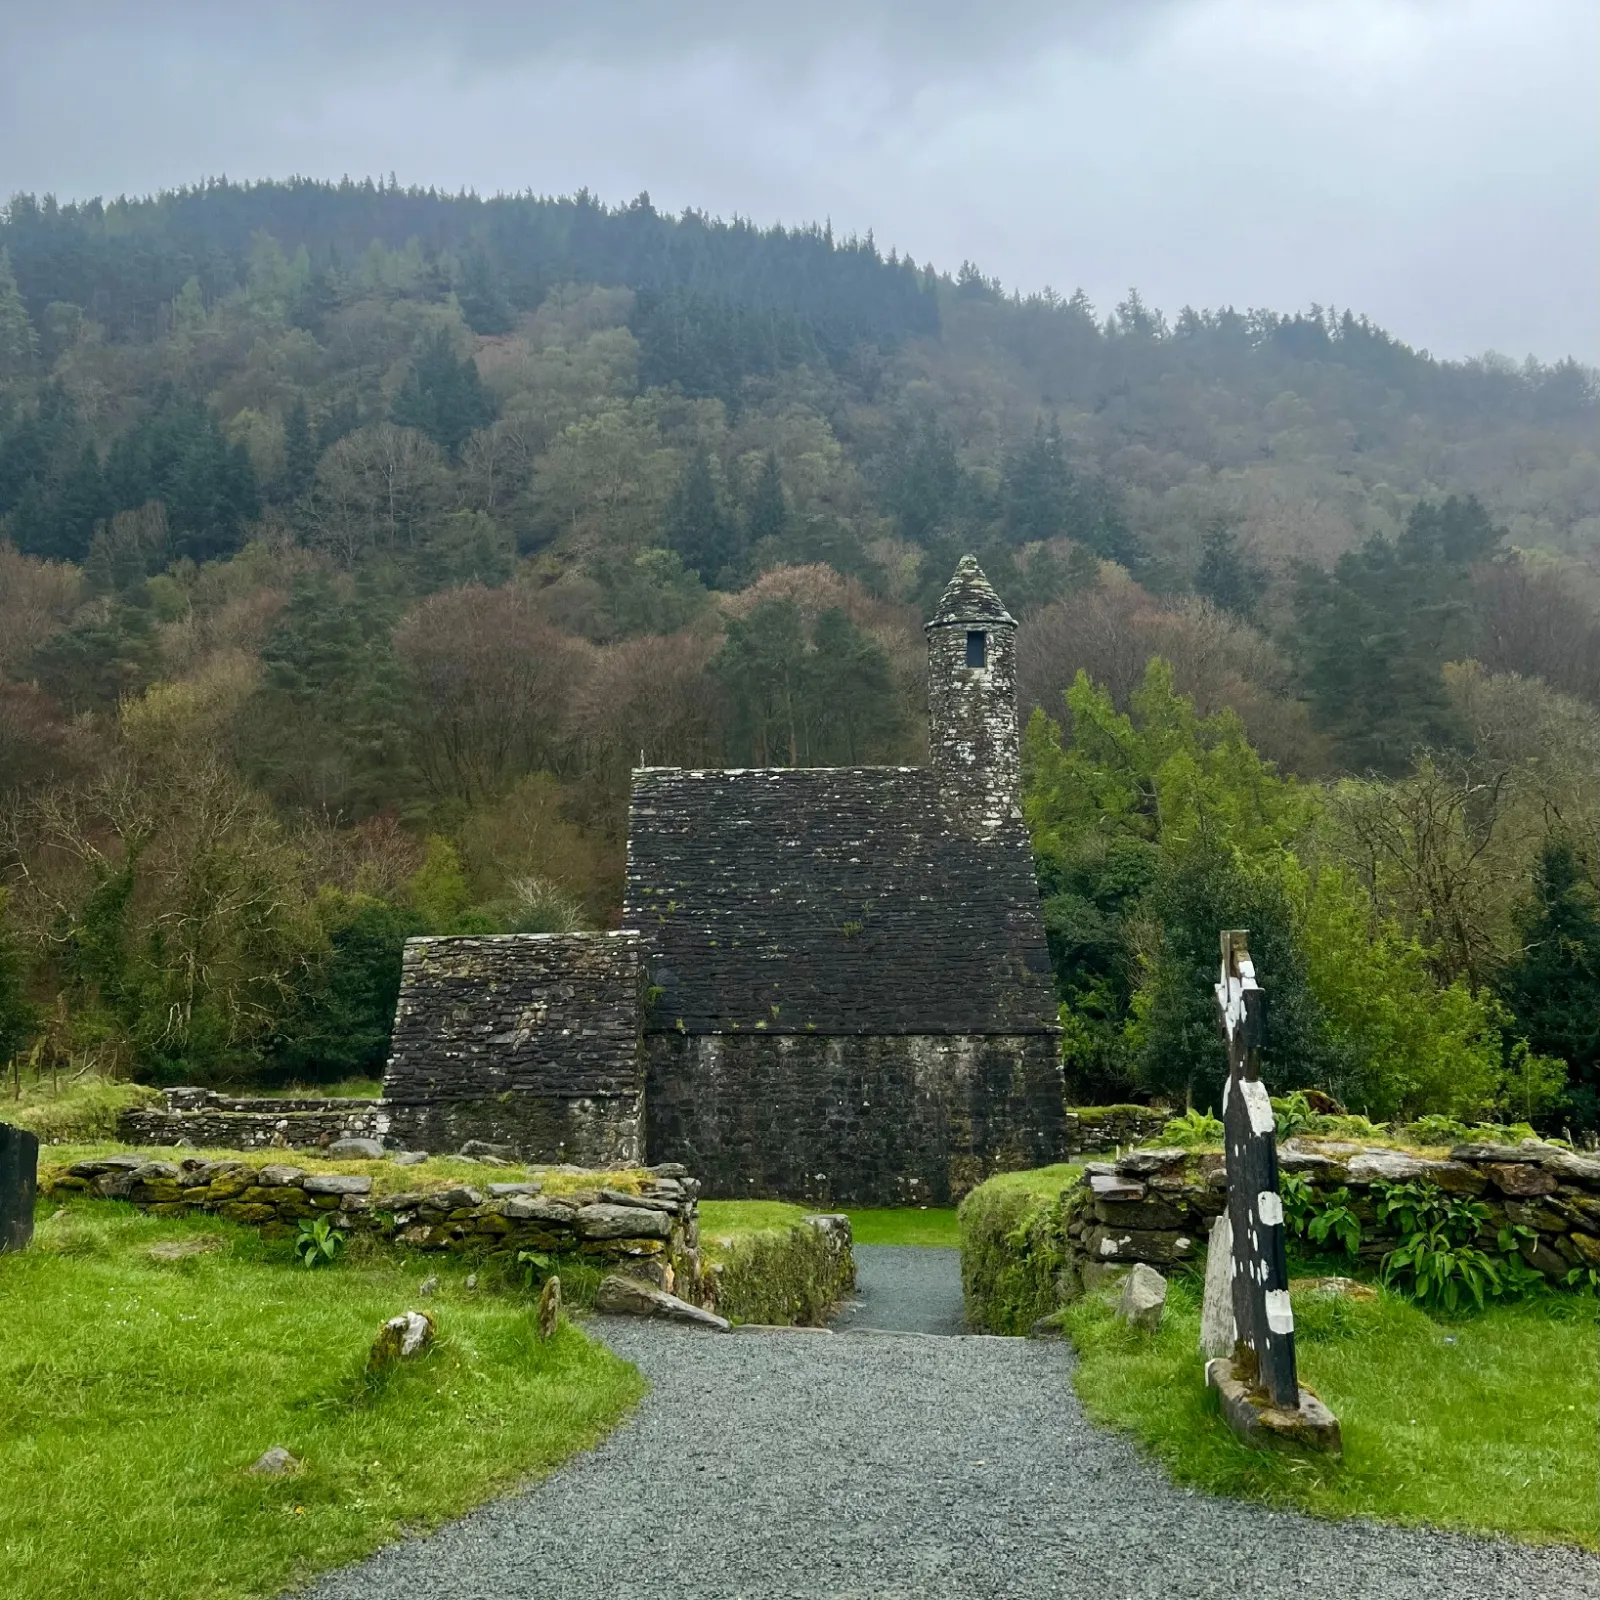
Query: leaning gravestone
x=1259, y=1386
x=19, y=1183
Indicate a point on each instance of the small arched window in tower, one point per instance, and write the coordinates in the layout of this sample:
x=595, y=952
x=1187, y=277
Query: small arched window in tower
x=977, y=648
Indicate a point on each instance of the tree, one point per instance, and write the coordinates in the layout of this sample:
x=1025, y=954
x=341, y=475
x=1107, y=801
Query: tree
x=1373, y=635
x=1553, y=987
x=769, y=511
x=17, y=1014
x=299, y=452
x=1226, y=576
x=483, y=302
x=443, y=396
x=695, y=524
x=19, y=345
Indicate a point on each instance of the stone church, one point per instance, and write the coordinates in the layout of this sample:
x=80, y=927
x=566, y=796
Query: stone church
x=831, y=984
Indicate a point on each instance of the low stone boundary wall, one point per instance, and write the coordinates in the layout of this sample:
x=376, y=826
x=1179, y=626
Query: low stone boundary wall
x=654, y=1234
x=211, y=1121
x=1093, y=1129
x=1156, y=1206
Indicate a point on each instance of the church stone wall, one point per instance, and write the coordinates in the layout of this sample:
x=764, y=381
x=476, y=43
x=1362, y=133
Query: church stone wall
x=524, y=1040
x=879, y=1120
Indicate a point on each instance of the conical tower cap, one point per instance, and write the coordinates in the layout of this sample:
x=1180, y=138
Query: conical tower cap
x=969, y=597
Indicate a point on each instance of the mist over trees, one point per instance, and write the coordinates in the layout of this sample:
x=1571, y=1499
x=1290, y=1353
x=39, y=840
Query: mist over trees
x=356, y=541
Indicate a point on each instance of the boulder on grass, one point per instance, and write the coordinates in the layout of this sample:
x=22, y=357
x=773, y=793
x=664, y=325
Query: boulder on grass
x=399, y=1339
x=627, y=1297
x=1144, y=1298
x=274, y=1463
x=549, y=1312
x=355, y=1150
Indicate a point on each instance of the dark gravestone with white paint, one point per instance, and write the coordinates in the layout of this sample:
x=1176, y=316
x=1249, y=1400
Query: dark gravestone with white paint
x=1263, y=1322
x=1259, y=1388
x=19, y=1179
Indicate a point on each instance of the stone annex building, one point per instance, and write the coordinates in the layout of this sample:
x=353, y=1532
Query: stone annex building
x=831, y=984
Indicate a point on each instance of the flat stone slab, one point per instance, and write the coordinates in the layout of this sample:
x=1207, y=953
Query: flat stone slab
x=1311, y=1428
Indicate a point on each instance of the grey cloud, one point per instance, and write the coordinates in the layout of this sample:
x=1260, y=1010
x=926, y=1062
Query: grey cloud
x=1432, y=162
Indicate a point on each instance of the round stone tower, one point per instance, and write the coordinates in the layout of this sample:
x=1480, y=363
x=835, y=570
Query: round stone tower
x=973, y=745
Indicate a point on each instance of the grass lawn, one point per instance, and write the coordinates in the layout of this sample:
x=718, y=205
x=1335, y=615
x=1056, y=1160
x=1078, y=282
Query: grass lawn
x=387, y=1178
x=930, y=1226
x=1483, y=1423
x=915, y=1225
x=134, y=1393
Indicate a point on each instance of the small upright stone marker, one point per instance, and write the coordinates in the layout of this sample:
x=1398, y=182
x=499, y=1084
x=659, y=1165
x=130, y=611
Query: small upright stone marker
x=19, y=1184
x=399, y=1339
x=1216, y=1315
x=1144, y=1298
x=549, y=1312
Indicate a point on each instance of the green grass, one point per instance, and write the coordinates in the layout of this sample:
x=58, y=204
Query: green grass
x=1483, y=1423
x=933, y=1227
x=1013, y=1247
x=387, y=1178
x=134, y=1393
x=727, y=1219
x=76, y=1108
x=767, y=1268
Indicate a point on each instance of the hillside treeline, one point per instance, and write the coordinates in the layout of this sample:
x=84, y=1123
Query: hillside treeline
x=355, y=542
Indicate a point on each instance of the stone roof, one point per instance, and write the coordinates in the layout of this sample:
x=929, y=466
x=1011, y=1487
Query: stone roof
x=969, y=597
x=830, y=901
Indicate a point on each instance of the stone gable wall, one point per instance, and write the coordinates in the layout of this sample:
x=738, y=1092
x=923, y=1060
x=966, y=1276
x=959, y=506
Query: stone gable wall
x=524, y=1040
x=863, y=1120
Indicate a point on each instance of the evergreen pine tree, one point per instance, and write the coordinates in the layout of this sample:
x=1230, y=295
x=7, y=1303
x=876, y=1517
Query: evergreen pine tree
x=482, y=301
x=443, y=396
x=769, y=513
x=696, y=526
x=299, y=452
x=1553, y=988
x=18, y=342
x=1226, y=575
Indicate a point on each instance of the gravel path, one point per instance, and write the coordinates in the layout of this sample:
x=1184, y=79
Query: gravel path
x=904, y=1288
x=893, y=1466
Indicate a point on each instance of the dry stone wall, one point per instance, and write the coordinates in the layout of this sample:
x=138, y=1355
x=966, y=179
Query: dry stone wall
x=211, y=1121
x=653, y=1234
x=525, y=1040
x=1157, y=1206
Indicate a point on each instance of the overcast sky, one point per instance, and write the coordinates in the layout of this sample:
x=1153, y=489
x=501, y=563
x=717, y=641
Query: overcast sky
x=1433, y=163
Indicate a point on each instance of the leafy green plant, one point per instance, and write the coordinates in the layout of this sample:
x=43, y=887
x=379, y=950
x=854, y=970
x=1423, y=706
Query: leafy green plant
x=1320, y=1218
x=535, y=1266
x=318, y=1243
x=1437, y=1259
x=1294, y=1114
x=1192, y=1130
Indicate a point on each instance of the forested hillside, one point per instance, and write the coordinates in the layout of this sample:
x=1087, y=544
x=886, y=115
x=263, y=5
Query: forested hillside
x=355, y=542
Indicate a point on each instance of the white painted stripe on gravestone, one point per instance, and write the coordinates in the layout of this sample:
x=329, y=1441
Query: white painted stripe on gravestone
x=1259, y=1104
x=1269, y=1207
x=1280, y=1318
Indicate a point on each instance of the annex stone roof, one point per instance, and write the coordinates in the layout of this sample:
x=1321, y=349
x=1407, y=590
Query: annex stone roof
x=830, y=901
